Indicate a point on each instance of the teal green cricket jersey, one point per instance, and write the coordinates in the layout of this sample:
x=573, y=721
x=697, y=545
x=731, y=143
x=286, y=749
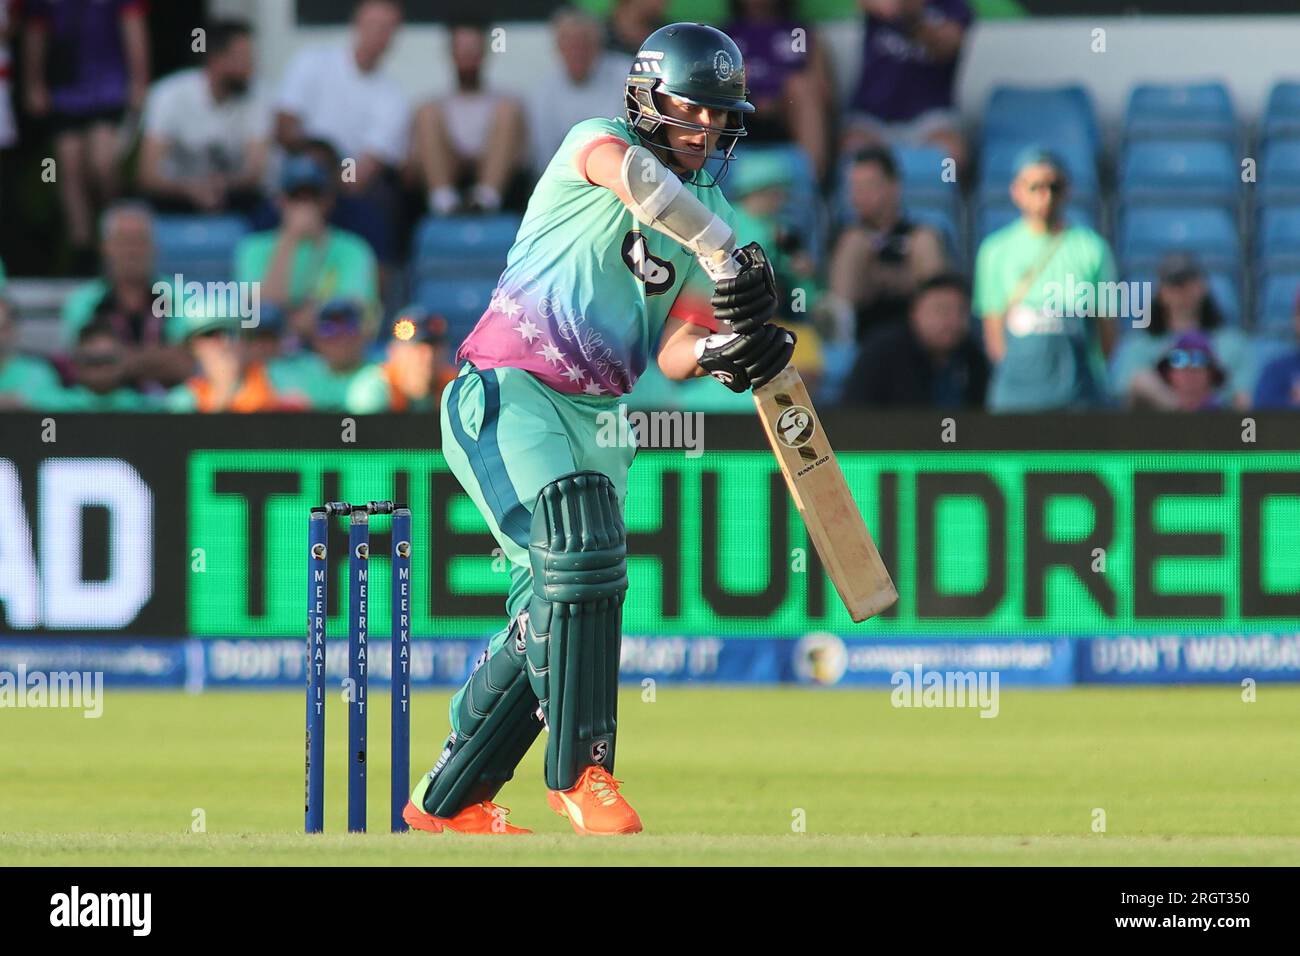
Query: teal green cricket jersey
x=585, y=292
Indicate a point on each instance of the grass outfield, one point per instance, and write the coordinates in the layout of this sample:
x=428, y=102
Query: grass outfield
x=1185, y=776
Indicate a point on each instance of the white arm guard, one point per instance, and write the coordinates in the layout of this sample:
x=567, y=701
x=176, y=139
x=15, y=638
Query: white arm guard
x=659, y=200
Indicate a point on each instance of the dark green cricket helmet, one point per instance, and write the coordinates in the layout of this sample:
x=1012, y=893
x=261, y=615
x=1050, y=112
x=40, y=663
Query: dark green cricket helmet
x=697, y=64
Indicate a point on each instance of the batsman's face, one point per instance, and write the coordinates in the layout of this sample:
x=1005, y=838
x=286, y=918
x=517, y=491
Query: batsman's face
x=694, y=147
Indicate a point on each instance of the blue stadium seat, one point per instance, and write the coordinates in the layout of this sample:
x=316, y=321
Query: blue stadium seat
x=921, y=169
x=1151, y=231
x=1171, y=110
x=1282, y=114
x=1180, y=171
x=463, y=245
x=1276, y=304
x=1277, y=236
x=998, y=158
x=461, y=300
x=200, y=248
x=1041, y=114
x=1279, y=170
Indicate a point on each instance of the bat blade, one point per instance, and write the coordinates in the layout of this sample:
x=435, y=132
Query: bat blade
x=816, y=482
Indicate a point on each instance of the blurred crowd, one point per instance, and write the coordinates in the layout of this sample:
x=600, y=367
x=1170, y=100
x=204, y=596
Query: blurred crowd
x=333, y=172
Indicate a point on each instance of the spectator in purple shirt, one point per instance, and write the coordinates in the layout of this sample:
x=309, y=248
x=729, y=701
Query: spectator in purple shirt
x=909, y=65
x=86, y=64
x=1279, y=383
x=788, y=74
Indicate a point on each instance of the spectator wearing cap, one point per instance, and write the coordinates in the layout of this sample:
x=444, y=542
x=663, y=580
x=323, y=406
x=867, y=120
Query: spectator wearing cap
x=759, y=193
x=206, y=133
x=306, y=261
x=1279, y=382
x=584, y=81
x=1192, y=372
x=1182, y=303
x=881, y=258
x=349, y=382
x=124, y=299
x=226, y=378
x=338, y=93
x=26, y=381
x=99, y=371
x=417, y=367
x=904, y=94
x=86, y=62
x=930, y=361
x=466, y=147
x=1047, y=353
x=789, y=77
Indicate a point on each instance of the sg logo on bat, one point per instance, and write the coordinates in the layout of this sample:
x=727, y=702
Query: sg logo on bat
x=795, y=426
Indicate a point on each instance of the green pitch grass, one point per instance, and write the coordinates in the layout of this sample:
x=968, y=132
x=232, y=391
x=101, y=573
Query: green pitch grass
x=1185, y=776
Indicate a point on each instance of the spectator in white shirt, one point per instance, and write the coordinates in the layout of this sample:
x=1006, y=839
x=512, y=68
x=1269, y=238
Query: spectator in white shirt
x=467, y=142
x=587, y=81
x=206, y=135
x=337, y=93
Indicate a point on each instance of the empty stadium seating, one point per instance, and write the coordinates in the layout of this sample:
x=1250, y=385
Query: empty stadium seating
x=1180, y=110
x=1176, y=171
x=199, y=247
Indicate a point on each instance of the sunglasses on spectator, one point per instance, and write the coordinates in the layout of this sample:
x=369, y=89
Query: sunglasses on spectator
x=1051, y=185
x=1188, y=358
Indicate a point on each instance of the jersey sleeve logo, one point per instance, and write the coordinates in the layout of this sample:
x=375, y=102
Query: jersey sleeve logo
x=657, y=274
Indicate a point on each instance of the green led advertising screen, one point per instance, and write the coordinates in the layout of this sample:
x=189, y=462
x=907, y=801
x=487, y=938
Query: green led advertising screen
x=1007, y=543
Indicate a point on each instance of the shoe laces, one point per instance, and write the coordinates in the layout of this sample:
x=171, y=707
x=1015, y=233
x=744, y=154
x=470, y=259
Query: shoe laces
x=603, y=787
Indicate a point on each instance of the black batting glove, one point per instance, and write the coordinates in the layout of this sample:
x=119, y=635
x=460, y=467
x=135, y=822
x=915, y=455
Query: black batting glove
x=749, y=300
x=742, y=362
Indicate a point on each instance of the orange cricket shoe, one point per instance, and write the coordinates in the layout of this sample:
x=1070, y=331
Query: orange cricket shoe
x=594, y=805
x=484, y=818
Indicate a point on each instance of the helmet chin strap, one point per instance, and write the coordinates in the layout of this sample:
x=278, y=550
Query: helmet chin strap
x=670, y=158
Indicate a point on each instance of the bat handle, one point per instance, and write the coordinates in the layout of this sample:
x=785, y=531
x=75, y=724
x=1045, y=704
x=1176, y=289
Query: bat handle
x=723, y=264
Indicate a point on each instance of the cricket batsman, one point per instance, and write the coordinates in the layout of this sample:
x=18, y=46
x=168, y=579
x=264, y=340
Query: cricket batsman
x=626, y=253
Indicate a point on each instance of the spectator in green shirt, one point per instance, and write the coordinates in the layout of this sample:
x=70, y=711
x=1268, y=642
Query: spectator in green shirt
x=291, y=369
x=1046, y=354
x=25, y=380
x=99, y=366
x=350, y=383
x=306, y=262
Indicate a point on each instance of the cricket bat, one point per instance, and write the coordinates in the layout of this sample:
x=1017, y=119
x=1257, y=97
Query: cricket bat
x=813, y=475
